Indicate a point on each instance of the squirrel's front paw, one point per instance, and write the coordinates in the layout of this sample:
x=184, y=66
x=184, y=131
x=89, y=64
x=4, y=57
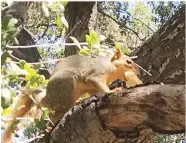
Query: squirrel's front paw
x=118, y=89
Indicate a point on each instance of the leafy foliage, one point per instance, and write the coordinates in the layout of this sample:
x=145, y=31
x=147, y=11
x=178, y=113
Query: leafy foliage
x=9, y=31
x=96, y=46
x=13, y=76
x=170, y=138
x=164, y=10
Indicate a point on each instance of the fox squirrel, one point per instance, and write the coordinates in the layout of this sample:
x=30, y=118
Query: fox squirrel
x=72, y=77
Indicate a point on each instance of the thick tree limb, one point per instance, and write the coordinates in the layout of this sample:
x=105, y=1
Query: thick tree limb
x=164, y=52
x=128, y=116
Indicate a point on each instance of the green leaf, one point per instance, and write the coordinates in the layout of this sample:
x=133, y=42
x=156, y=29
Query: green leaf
x=94, y=37
x=11, y=31
x=13, y=93
x=64, y=21
x=118, y=46
x=35, y=85
x=14, y=126
x=4, y=57
x=64, y=3
x=37, y=67
x=27, y=66
x=8, y=60
x=30, y=70
x=14, y=70
x=88, y=39
x=126, y=50
x=16, y=41
x=33, y=79
x=14, y=21
x=58, y=22
x=42, y=78
x=6, y=98
x=5, y=22
x=7, y=111
x=84, y=52
x=75, y=41
x=40, y=124
x=22, y=63
x=46, y=113
x=45, y=83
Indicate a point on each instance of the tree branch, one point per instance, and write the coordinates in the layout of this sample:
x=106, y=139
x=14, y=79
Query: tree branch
x=129, y=116
x=122, y=10
x=120, y=23
x=44, y=33
x=45, y=45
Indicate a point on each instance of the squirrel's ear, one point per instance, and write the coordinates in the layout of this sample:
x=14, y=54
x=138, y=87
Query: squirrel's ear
x=117, y=55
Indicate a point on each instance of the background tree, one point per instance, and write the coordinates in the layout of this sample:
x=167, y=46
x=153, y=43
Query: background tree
x=77, y=14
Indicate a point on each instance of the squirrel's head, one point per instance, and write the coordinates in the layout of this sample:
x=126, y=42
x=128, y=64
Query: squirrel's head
x=121, y=60
x=128, y=68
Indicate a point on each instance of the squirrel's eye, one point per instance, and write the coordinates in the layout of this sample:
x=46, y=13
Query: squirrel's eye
x=129, y=62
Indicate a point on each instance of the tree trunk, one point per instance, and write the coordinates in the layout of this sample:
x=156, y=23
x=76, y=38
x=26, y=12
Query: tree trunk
x=30, y=55
x=164, y=54
x=132, y=116
x=19, y=11
x=77, y=15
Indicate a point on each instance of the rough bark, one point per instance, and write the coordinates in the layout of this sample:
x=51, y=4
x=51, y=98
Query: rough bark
x=76, y=12
x=129, y=116
x=31, y=54
x=164, y=54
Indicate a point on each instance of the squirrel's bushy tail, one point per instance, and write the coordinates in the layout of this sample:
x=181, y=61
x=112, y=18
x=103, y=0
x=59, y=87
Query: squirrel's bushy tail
x=26, y=104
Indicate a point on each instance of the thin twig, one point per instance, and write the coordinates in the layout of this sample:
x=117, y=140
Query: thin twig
x=144, y=70
x=45, y=45
x=72, y=30
x=47, y=26
x=120, y=23
x=133, y=57
x=137, y=19
x=30, y=33
x=42, y=62
x=32, y=139
x=56, y=60
x=17, y=118
x=14, y=57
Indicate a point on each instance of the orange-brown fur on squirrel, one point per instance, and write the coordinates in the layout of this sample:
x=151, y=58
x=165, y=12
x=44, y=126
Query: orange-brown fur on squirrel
x=72, y=77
